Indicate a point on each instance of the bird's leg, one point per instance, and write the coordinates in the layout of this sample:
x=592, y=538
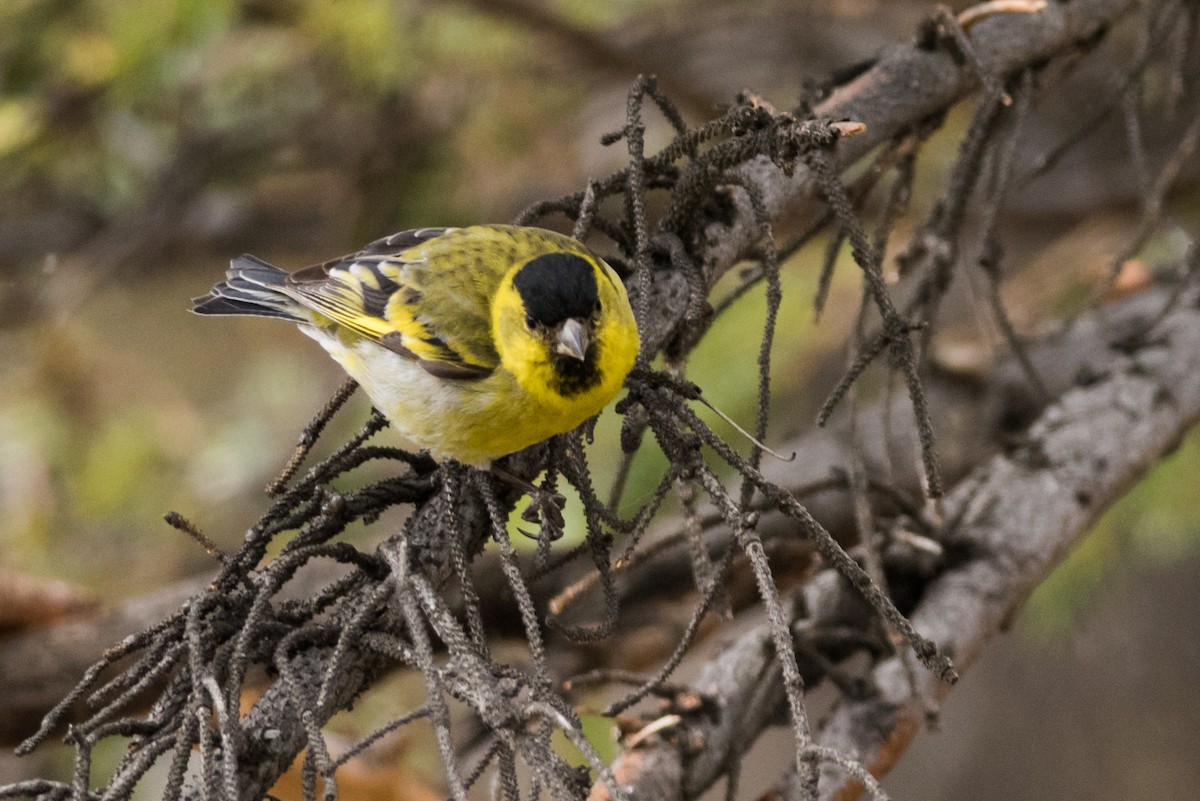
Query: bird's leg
x=543, y=501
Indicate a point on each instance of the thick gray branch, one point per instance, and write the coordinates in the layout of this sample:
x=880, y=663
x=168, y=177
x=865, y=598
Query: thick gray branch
x=1023, y=511
x=1026, y=508
x=908, y=85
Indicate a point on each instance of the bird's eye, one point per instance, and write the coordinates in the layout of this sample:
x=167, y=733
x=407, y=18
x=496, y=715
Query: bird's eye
x=529, y=321
x=596, y=308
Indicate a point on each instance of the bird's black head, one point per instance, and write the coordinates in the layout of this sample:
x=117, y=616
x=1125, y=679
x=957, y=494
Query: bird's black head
x=556, y=287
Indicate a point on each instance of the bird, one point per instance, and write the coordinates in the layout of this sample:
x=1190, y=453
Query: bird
x=475, y=342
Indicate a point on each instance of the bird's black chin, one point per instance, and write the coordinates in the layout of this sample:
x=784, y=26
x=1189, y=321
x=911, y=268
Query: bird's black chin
x=574, y=376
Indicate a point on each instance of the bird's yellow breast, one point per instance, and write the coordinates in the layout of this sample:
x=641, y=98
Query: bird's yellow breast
x=473, y=422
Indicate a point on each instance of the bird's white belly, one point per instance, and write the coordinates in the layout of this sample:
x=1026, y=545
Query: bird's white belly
x=472, y=421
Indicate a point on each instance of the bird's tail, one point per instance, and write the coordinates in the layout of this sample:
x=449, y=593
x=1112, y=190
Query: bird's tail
x=251, y=287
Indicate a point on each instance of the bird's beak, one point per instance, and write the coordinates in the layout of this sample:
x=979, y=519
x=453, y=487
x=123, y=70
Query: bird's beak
x=573, y=338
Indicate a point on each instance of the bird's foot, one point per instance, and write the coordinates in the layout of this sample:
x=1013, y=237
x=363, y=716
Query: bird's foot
x=543, y=504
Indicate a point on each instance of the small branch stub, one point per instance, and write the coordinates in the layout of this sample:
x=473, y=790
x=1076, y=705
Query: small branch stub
x=977, y=14
x=847, y=128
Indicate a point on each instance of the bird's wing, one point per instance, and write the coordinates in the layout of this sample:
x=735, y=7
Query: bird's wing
x=424, y=293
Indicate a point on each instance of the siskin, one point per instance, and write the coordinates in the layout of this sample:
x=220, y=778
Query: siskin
x=474, y=342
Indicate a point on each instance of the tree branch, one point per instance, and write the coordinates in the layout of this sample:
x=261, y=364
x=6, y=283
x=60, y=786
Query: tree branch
x=907, y=85
x=1021, y=513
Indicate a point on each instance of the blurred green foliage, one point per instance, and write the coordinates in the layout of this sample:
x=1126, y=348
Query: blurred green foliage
x=111, y=99
x=185, y=131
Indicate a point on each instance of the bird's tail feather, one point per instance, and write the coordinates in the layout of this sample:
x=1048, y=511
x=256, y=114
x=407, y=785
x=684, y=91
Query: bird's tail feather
x=251, y=287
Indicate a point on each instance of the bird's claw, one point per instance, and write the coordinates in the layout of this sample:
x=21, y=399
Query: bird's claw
x=548, y=506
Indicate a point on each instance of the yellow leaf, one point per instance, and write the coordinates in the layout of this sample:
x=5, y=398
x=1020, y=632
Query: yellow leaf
x=20, y=123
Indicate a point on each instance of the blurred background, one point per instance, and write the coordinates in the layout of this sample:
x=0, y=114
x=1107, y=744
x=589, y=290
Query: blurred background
x=145, y=142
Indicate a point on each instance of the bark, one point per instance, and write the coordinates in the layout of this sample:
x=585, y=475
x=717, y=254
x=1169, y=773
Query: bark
x=1023, y=511
x=907, y=85
x=1020, y=513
